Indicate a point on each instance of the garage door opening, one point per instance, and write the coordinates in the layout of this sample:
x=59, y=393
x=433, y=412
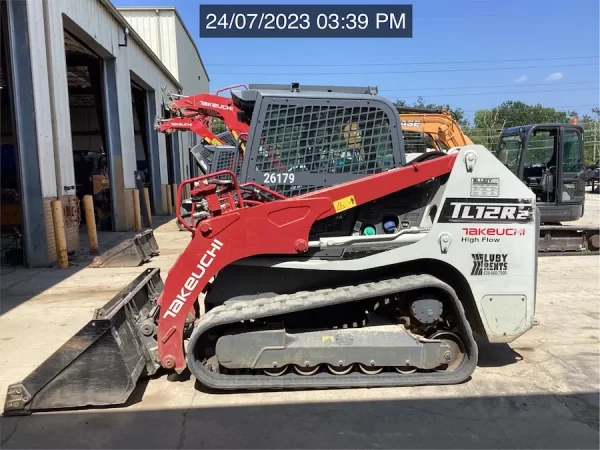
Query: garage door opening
x=144, y=167
x=90, y=150
x=170, y=149
x=10, y=202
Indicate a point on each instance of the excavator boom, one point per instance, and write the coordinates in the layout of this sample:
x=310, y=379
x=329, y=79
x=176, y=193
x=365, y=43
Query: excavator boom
x=441, y=130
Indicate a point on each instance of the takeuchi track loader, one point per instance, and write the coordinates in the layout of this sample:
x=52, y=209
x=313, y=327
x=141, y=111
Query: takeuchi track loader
x=377, y=276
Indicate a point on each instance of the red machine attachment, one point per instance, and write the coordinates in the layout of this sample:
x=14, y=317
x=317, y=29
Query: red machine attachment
x=197, y=124
x=211, y=105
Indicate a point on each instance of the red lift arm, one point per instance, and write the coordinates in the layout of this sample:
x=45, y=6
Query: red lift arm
x=211, y=105
x=191, y=123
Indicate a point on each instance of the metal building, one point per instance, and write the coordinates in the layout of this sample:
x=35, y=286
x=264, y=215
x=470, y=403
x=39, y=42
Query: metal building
x=163, y=29
x=80, y=90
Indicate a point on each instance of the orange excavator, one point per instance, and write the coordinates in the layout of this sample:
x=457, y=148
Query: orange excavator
x=425, y=129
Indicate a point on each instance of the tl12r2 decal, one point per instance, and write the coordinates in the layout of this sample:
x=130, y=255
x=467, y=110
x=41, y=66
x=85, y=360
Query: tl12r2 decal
x=469, y=210
x=489, y=264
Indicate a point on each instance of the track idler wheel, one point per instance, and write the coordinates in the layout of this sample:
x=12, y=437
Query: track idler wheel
x=455, y=355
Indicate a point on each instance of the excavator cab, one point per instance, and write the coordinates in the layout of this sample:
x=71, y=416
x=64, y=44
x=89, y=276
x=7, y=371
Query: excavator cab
x=549, y=159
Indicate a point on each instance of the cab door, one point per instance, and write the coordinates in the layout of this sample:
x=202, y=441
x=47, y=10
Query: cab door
x=571, y=173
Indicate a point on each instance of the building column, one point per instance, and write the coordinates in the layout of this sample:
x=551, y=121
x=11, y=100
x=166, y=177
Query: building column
x=60, y=118
x=23, y=105
x=154, y=163
x=115, y=153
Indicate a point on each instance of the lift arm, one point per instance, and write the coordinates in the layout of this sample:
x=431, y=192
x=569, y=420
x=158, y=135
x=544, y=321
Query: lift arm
x=191, y=123
x=210, y=105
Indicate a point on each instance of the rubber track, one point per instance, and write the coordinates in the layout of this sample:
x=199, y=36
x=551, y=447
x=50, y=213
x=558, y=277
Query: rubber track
x=262, y=308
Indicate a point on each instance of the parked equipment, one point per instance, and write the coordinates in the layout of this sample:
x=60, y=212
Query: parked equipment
x=380, y=279
x=426, y=129
x=549, y=159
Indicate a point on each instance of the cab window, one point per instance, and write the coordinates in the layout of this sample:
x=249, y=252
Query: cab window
x=541, y=148
x=572, y=161
x=509, y=151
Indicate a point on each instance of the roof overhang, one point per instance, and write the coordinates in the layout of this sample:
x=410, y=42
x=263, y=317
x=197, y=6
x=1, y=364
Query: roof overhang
x=173, y=9
x=138, y=39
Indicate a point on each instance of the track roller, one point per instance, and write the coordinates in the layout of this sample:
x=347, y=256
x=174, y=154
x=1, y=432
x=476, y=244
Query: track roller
x=369, y=370
x=276, y=371
x=306, y=371
x=340, y=370
x=405, y=369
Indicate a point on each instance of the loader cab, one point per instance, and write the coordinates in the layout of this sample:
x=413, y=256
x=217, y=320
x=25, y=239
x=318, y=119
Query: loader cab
x=549, y=159
x=304, y=138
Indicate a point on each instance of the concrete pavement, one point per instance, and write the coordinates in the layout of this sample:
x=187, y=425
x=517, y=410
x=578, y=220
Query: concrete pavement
x=540, y=391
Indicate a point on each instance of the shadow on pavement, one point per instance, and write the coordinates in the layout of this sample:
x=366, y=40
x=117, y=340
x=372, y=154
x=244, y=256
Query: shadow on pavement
x=18, y=284
x=496, y=355
x=528, y=421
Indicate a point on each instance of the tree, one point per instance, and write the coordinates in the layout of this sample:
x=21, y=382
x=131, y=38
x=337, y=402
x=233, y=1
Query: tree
x=459, y=114
x=218, y=126
x=591, y=125
x=515, y=113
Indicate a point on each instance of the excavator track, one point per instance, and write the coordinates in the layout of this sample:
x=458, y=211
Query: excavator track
x=255, y=310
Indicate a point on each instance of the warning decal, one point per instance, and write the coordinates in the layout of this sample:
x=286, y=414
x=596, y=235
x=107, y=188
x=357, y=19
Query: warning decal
x=344, y=203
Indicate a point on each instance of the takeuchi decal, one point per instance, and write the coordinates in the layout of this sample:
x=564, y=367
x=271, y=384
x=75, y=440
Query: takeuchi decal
x=489, y=234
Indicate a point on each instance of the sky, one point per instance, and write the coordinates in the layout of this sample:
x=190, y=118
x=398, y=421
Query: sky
x=470, y=54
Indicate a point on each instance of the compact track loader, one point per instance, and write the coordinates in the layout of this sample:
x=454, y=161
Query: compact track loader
x=378, y=274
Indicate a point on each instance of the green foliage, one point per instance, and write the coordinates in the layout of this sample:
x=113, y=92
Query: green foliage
x=515, y=113
x=591, y=138
x=218, y=126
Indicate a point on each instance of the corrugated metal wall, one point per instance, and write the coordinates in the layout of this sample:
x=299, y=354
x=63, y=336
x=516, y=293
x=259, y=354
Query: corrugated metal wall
x=96, y=21
x=157, y=28
x=162, y=30
x=192, y=75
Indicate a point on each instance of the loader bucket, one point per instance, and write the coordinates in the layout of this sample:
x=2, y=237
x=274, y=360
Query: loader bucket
x=129, y=253
x=101, y=364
